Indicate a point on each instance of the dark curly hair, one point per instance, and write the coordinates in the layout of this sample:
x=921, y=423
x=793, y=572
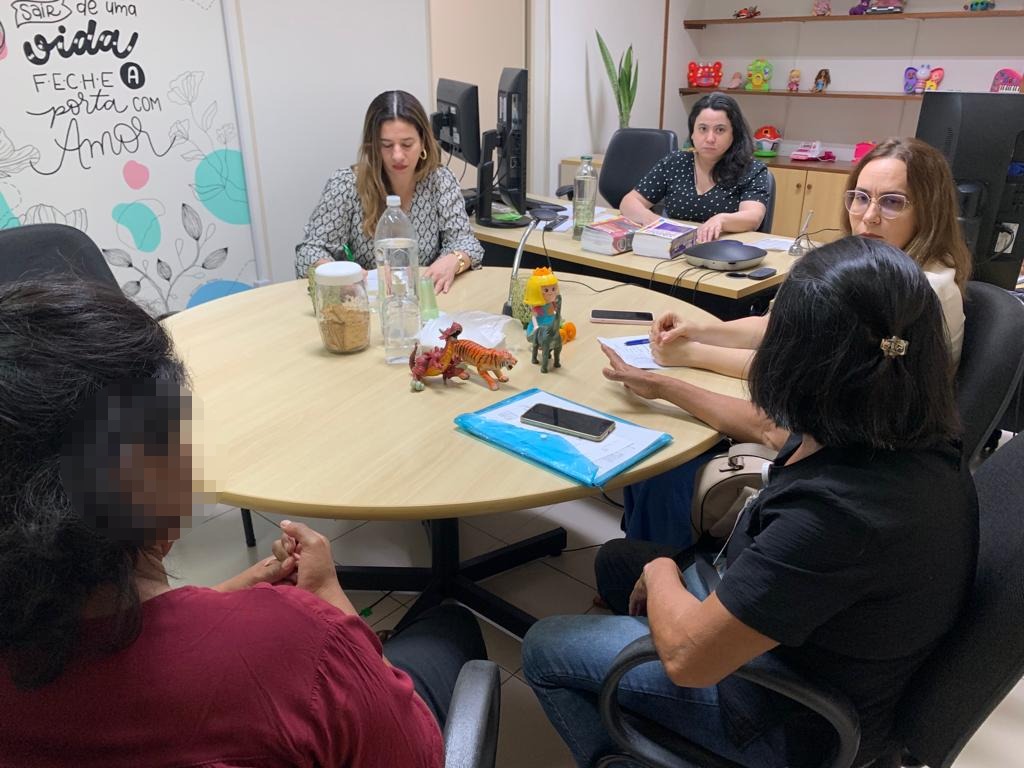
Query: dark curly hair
x=737, y=159
x=62, y=342
x=820, y=370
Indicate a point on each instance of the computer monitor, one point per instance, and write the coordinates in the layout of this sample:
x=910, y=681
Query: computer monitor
x=982, y=137
x=456, y=124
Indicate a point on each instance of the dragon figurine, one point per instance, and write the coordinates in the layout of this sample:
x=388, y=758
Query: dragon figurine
x=547, y=338
x=447, y=362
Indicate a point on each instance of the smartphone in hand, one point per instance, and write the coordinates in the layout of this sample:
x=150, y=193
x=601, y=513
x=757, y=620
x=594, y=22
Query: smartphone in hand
x=569, y=422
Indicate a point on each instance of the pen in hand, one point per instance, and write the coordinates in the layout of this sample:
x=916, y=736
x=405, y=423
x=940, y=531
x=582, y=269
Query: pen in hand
x=634, y=342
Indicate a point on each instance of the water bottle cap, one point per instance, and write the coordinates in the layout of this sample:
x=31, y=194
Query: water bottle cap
x=586, y=157
x=339, y=273
x=394, y=201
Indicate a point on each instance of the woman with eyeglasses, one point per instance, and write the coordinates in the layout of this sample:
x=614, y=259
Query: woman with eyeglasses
x=901, y=192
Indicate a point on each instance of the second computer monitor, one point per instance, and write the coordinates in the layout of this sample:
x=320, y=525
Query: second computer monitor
x=510, y=174
x=456, y=124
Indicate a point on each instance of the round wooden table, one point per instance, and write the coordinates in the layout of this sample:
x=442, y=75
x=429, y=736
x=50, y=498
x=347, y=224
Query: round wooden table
x=292, y=428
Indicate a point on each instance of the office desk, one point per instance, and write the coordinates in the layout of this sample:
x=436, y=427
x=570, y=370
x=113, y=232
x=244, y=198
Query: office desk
x=725, y=297
x=301, y=431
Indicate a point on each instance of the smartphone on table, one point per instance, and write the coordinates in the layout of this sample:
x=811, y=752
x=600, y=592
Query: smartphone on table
x=570, y=422
x=621, y=317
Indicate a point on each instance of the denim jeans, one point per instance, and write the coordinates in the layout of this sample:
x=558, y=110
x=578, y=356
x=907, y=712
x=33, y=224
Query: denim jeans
x=565, y=660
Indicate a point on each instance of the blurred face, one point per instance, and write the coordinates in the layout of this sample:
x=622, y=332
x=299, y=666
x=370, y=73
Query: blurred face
x=712, y=134
x=880, y=204
x=400, y=148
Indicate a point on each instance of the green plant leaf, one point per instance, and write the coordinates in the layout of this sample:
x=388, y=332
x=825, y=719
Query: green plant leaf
x=609, y=65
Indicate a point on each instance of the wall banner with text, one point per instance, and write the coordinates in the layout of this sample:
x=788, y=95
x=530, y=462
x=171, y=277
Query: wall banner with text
x=119, y=119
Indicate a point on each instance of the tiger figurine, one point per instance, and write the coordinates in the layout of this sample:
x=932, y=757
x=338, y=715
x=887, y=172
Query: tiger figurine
x=485, y=359
x=447, y=361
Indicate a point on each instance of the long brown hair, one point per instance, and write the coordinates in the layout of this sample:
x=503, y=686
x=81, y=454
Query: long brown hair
x=933, y=195
x=371, y=181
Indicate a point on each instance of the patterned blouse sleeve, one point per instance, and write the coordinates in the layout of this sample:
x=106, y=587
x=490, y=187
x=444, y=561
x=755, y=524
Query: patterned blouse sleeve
x=451, y=210
x=654, y=185
x=754, y=186
x=327, y=229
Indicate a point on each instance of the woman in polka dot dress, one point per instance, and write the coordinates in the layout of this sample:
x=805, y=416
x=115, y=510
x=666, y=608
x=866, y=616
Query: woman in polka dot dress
x=719, y=183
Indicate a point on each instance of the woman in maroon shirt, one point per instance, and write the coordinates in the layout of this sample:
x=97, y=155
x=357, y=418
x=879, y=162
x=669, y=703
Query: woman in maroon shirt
x=104, y=664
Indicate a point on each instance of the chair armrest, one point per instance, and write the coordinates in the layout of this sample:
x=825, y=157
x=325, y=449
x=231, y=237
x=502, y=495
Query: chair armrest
x=659, y=747
x=565, y=191
x=471, y=730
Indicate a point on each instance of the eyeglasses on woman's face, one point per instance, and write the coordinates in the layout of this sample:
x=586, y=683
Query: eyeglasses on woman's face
x=890, y=205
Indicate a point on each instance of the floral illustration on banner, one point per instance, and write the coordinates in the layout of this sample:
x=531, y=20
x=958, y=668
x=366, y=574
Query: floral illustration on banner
x=12, y=160
x=164, y=277
x=219, y=182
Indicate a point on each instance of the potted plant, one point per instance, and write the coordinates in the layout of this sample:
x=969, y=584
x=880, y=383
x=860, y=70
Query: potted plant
x=623, y=79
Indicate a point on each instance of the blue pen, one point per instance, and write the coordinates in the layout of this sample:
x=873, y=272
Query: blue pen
x=634, y=342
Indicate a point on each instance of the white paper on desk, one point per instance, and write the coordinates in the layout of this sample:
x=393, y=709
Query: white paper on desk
x=623, y=443
x=565, y=226
x=774, y=243
x=637, y=355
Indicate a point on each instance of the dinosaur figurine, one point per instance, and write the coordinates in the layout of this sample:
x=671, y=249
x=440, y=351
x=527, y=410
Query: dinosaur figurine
x=447, y=361
x=547, y=338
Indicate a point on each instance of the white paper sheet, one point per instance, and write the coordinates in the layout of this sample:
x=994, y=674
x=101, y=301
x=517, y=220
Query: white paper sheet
x=774, y=243
x=624, y=442
x=638, y=355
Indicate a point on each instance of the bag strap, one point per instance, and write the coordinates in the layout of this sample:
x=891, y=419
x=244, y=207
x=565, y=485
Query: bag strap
x=753, y=450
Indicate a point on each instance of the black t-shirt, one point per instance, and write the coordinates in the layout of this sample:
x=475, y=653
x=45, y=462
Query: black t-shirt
x=856, y=561
x=673, y=182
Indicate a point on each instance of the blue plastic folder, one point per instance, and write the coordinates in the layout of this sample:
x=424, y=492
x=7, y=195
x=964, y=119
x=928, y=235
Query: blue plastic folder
x=549, y=449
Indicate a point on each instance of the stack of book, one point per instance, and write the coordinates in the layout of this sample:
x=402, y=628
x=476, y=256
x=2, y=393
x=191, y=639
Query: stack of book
x=664, y=239
x=609, y=236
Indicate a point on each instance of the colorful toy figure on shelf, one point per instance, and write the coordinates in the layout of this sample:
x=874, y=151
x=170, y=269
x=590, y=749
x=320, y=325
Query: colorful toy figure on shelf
x=921, y=79
x=860, y=8
x=794, y=81
x=822, y=81
x=735, y=81
x=1006, y=81
x=543, y=297
x=766, y=141
x=861, y=149
x=885, y=6
x=759, y=76
x=704, y=74
x=447, y=362
x=747, y=13
x=985, y=6
x=822, y=8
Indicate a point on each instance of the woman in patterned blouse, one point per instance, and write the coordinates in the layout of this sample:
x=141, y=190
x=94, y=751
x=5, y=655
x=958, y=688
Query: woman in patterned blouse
x=719, y=183
x=398, y=156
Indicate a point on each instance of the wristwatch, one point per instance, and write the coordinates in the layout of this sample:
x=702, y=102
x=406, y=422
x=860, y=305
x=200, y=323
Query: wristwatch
x=462, y=264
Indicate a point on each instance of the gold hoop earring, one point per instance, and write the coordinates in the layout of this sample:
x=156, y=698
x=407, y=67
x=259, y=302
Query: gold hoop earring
x=423, y=154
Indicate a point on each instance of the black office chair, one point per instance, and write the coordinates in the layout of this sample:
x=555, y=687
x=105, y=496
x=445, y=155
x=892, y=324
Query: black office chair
x=631, y=153
x=991, y=363
x=471, y=731
x=36, y=250
x=769, y=214
x=965, y=677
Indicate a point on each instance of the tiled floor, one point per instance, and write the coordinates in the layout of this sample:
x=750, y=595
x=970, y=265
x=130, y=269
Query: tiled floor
x=214, y=550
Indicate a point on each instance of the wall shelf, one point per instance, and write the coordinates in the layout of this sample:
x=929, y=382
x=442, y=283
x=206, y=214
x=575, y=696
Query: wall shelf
x=941, y=15
x=881, y=95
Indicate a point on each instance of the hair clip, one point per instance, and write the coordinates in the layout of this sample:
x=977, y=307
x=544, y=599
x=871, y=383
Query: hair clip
x=894, y=346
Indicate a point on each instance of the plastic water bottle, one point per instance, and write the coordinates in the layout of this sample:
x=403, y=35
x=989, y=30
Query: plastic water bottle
x=584, y=196
x=401, y=318
x=396, y=252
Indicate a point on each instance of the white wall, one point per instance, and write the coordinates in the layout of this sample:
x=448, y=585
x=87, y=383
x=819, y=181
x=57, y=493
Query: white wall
x=304, y=74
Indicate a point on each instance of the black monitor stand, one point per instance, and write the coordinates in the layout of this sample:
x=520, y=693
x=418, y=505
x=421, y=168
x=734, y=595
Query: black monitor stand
x=485, y=186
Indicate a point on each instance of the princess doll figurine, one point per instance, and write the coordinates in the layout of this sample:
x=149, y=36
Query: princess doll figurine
x=822, y=8
x=794, y=81
x=822, y=80
x=541, y=295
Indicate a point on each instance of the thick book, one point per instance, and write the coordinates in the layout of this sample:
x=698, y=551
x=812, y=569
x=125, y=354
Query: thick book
x=585, y=461
x=609, y=236
x=664, y=239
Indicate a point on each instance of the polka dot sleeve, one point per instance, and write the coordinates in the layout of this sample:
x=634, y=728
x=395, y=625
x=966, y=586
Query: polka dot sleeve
x=754, y=184
x=655, y=183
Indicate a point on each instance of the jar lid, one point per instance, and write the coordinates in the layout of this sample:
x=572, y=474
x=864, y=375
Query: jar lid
x=394, y=201
x=339, y=273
